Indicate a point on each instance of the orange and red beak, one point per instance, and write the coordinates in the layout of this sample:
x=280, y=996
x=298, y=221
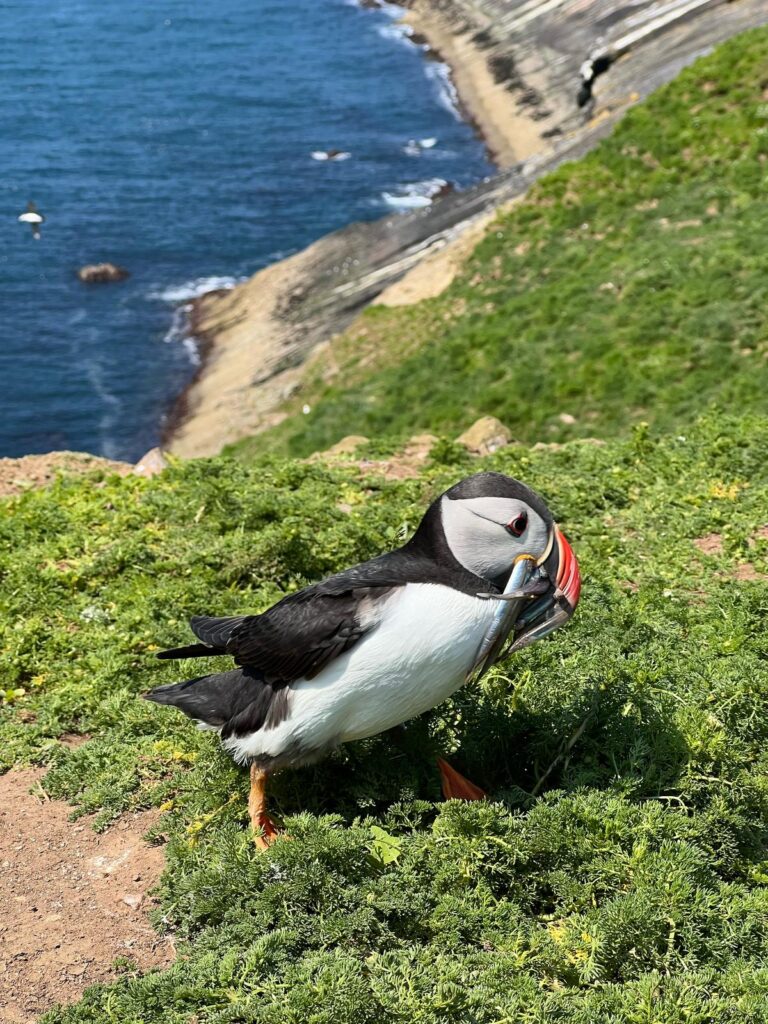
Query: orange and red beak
x=555, y=607
x=568, y=579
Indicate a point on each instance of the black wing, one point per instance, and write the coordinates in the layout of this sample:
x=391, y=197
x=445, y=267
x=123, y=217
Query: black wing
x=296, y=638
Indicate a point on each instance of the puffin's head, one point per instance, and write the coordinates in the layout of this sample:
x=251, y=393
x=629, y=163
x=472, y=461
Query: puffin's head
x=490, y=523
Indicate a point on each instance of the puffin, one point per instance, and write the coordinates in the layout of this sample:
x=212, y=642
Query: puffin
x=34, y=218
x=589, y=71
x=487, y=572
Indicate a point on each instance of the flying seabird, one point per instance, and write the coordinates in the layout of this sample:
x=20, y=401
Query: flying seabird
x=33, y=218
x=380, y=643
x=330, y=154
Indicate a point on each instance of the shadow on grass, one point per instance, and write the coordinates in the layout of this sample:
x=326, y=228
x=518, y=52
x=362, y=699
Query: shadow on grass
x=515, y=756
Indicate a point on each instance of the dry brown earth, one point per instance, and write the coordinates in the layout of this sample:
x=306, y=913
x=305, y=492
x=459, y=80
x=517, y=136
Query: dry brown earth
x=71, y=900
x=18, y=475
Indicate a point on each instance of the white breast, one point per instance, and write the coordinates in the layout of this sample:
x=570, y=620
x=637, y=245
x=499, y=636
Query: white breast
x=424, y=645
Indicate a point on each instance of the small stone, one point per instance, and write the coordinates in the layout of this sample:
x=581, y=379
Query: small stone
x=567, y=419
x=132, y=900
x=151, y=464
x=419, y=446
x=102, y=273
x=486, y=435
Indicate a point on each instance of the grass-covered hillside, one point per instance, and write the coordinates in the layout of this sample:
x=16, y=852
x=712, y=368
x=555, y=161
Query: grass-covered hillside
x=629, y=286
x=619, y=870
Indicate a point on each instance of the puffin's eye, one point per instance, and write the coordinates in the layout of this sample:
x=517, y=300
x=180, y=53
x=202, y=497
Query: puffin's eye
x=518, y=525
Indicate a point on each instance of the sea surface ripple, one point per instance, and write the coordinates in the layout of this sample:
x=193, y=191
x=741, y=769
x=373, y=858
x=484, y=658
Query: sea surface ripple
x=175, y=139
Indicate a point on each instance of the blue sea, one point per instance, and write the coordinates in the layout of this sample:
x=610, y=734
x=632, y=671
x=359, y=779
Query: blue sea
x=176, y=140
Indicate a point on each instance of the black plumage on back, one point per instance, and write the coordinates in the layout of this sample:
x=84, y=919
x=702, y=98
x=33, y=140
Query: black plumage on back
x=301, y=634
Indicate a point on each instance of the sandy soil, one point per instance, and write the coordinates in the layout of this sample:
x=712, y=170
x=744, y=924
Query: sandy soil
x=510, y=135
x=71, y=900
x=436, y=272
x=17, y=475
x=247, y=342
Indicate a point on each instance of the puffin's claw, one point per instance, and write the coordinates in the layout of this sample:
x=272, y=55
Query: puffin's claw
x=265, y=831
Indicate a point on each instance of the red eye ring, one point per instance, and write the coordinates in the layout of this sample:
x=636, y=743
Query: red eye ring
x=517, y=526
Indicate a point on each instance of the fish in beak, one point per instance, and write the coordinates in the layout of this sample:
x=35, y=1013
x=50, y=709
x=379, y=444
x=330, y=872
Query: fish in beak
x=557, y=604
x=540, y=596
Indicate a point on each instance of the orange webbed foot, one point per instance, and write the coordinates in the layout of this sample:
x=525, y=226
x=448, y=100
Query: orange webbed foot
x=455, y=786
x=265, y=831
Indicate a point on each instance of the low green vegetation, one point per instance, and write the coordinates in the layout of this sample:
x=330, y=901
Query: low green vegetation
x=619, y=869
x=630, y=286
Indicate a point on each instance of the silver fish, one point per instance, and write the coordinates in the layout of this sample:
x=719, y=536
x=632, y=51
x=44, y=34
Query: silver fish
x=510, y=605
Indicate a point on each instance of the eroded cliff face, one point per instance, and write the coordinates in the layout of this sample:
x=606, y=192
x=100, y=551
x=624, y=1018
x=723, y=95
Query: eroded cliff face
x=517, y=68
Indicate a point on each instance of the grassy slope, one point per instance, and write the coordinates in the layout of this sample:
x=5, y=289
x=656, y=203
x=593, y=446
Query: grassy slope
x=619, y=893
x=633, y=886
x=628, y=286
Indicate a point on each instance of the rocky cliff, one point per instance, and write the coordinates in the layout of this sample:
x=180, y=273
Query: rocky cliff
x=518, y=67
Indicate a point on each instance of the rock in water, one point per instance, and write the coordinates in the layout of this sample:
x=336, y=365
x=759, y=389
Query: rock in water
x=102, y=273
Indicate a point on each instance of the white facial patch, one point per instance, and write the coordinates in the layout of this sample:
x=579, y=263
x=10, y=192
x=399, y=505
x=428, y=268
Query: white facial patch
x=476, y=534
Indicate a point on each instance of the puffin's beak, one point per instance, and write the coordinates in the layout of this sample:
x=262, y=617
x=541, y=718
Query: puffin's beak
x=554, y=608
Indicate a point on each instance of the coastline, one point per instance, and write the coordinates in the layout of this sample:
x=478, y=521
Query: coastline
x=515, y=76
x=247, y=368
x=240, y=334
x=509, y=134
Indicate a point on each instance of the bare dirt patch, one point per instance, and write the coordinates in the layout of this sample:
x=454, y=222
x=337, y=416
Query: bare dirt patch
x=747, y=573
x=71, y=900
x=17, y=475
x=712, y=544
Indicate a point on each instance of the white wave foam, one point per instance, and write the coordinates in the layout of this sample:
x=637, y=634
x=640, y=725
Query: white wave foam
x=178, y=334
x=397, y=32
x=405, y=202
x=440, y=75
x=190, y=346
x=393, y=11
x=194, y=289
x=415, y=195
x=428, y=143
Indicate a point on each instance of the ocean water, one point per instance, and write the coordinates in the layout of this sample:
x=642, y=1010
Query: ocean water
x=175, y=139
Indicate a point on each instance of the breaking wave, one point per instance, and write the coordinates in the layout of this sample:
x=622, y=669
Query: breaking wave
x=194, y=289
x=416, y=195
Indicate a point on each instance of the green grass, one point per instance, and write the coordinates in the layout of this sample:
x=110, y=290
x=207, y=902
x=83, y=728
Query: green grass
x=619, y=870
x=629, y=286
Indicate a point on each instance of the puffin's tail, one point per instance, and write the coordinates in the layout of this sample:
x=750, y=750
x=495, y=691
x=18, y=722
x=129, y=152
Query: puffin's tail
x=214, y=632
x=218, y=699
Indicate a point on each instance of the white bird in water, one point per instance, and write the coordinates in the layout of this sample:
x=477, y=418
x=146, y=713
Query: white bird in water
x=415, y=147
x=33, y=218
